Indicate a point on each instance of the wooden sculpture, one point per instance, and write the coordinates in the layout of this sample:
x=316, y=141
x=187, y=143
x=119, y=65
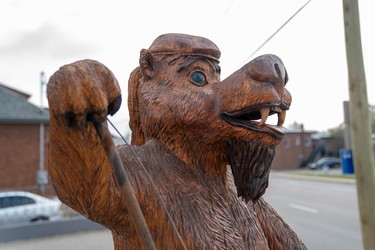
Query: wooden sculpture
x=188, y=127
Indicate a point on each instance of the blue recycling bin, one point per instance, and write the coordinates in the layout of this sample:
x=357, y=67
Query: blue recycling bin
x=346, y=158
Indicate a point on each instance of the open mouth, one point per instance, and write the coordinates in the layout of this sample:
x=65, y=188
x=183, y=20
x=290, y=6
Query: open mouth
x=255, y=118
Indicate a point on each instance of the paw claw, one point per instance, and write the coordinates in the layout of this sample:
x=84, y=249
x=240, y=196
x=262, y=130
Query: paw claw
x=75, y=120
x=114, y=106
x=98, y=117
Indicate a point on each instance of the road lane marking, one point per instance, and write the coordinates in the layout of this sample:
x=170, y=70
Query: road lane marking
x=343, y=189
x=303, y=208
x=330, y=195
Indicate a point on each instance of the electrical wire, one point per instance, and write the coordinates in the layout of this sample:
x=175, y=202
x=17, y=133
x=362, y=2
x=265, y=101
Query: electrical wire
x=153, y=185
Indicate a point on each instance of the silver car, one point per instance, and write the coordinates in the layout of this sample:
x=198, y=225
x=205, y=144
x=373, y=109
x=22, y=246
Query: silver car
x=330, y=162
x=17, y=208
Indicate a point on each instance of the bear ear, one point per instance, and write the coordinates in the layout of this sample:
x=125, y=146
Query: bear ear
x=146, y=62
x=138, y=137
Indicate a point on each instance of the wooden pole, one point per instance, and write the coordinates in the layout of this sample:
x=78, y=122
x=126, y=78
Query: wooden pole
x=121, y=176
x=360, y=124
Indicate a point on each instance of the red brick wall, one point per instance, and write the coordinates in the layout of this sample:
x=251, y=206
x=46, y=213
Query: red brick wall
x=19, y=156
x=289, y=151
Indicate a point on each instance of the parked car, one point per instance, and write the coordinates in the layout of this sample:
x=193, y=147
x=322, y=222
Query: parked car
x=330, y=162
x=17, y=207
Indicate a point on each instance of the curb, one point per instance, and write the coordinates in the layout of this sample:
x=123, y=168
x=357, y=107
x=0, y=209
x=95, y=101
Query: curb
x=47, y=229
x=299, y=176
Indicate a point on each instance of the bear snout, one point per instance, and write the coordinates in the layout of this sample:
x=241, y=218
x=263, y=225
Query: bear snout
x=268, y=69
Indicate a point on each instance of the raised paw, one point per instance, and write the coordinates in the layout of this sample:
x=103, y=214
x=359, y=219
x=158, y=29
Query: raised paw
x=83, y=91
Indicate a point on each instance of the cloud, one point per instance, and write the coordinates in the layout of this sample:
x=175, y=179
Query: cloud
x=47, y=41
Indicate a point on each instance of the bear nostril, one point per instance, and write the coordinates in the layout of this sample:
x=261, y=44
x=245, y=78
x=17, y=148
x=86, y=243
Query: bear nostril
x=263, y=70
x=277, y=68
x=286, y=78
x=267, y=69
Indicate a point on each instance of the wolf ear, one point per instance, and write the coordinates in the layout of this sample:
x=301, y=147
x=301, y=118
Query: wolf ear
x=138, y=137
x=146, y=62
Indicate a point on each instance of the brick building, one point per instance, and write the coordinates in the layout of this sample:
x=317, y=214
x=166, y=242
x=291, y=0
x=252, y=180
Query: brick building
x=20, y=123
x=294, y=150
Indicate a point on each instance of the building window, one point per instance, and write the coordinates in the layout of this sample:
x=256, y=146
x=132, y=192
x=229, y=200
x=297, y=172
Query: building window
x=14, y=201
x=307, y=141
x=298, y=140
x=286, y=142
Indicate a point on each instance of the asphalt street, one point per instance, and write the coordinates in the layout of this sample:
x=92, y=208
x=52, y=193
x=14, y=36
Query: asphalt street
x=323, y=214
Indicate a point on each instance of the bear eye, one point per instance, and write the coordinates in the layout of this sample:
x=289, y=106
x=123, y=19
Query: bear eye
x=198, y=78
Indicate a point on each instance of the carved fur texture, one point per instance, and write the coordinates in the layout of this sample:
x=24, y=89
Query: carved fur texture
x=205, y=144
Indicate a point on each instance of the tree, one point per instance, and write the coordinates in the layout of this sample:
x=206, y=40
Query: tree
x=295, y=126
x=337, y=134
x=337, y=131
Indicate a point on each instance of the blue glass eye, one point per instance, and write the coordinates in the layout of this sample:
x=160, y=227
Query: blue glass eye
x=198, y=78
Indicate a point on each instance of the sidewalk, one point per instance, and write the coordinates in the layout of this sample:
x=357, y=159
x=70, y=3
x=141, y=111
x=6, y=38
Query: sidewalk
x=91, y=240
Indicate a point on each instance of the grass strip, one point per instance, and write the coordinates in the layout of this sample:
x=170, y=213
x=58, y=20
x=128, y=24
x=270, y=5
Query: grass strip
x=339, y=176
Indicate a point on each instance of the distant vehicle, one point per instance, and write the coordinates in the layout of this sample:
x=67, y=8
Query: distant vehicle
x=17, y=207
x=330, y=162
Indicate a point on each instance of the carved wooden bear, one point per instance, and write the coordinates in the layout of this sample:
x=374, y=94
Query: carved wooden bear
x=204, y=142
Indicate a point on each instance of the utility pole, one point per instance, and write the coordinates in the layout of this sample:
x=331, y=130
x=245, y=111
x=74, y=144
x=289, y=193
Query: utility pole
x=347, y=136
x=360, y=124
x=42, y=176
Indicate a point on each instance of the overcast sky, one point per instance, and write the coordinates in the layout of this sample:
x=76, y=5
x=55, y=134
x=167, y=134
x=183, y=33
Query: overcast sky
x=42, y=35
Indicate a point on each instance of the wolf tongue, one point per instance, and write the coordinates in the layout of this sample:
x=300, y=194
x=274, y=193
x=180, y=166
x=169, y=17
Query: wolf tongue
x=264, y=112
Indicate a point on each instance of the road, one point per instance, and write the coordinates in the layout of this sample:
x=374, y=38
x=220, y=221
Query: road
x=324, y=215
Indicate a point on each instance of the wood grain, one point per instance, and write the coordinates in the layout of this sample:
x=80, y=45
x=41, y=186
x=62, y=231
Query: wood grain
x=204, y=142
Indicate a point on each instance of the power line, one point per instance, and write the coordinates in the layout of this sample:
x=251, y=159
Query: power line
x=277, y=31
